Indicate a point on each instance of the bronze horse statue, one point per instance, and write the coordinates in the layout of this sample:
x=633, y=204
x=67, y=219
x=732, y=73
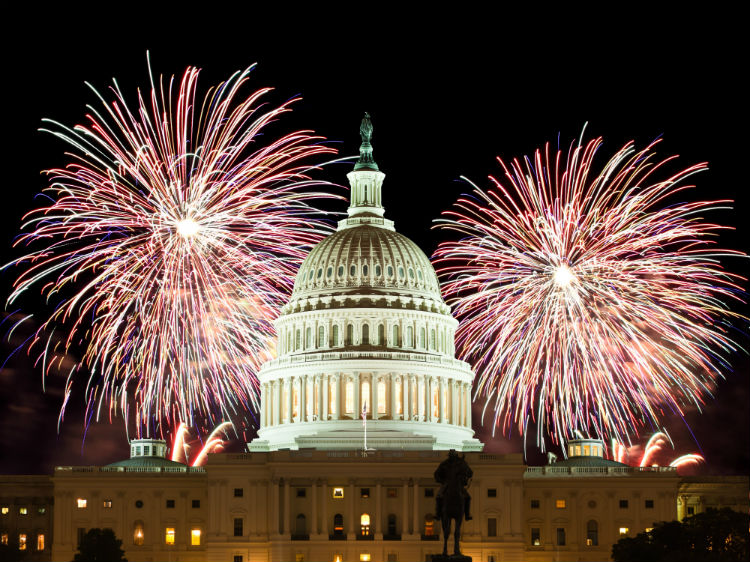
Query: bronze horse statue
x=452, y=501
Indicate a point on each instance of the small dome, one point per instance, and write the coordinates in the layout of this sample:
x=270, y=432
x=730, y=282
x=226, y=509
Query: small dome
x=367, y=259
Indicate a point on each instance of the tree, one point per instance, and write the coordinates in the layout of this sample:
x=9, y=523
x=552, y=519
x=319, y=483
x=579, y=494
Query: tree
x=712, y=536
x=100, y=545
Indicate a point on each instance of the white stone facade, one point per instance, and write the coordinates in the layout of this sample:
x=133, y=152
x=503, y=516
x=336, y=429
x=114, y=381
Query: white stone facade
x=366, y=333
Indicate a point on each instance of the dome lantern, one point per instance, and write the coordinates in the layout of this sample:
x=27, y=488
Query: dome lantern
x=366, y=181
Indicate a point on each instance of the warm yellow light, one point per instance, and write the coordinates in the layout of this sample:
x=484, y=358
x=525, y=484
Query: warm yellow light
x=624, y=530
x=81, y=503
x=560, y=504
x=5, y=510
x=195, y=537
x=169, y=535
x=187, y=227
x=338, y=493
x=563, y=276
x=364, y=557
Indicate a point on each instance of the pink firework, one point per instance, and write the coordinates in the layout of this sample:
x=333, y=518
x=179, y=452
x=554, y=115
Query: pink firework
x=651, y=453
x=588, y=300
x=192, y=451
x=169, y=243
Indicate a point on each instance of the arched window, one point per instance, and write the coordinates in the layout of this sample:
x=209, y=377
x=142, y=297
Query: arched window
x=308, y=338
x=300, y=525
x=365, y=270
x=341, y=271
x=381, y=335
x=432, y=339
x=365, y=397
x=377, y=270
x=298, y=340
x=391, y=524
x=409, y=337
x=429, y=525
x=382, y=402
x=338, y=525
x=353, y=270
x=349, y=335
x=335, y=337
x=422, y=338
x=329, y=272
x=400, y=272
x=364, y=525
x=138, y=533
x=390, y=271
x=349, y=397
x=321, y=336
x=395, y=336
x=365, y=334
x=592, y=533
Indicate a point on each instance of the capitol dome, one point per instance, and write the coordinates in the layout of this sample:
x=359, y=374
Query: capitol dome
x=366, y=354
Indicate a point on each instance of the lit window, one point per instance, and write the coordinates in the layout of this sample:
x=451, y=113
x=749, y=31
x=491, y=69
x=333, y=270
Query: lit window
x=338, y=493
x=535, y=537
x=25, y=510
x=107, y=504
x=81, y=503
x=4, y=510
x=649, y=529
x=169, y=535
x=4, y=539
x=40, y=541
x=364, y=523
x=299, y=557
x=138, y=533
x=22, y=541
x=195, y=537
x=560, y=504
x=429, y=526
x=623, y=531
x=338, y=558
x=42, y=510
x=364, y=557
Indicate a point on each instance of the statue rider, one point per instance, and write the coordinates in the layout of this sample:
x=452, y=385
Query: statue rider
x=458, y=464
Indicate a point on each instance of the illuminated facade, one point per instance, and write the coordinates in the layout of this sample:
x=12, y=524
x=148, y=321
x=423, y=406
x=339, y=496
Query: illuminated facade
x=366, y=332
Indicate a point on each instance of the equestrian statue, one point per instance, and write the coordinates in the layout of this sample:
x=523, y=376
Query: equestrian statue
x=452, y=500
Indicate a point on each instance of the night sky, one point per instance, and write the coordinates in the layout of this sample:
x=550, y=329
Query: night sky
x=446, y=94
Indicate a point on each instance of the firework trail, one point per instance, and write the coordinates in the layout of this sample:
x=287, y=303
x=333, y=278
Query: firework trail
x=656, y=444
x=588, y=300
x=168, y=245
x=214, y=443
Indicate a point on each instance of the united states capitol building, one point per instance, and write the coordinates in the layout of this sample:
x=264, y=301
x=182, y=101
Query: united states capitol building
x=365, y=334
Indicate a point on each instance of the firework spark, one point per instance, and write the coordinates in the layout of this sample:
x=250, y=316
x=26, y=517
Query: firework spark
x=654, y=448
x=183, y=446
x=588, y=300
x=169, y=242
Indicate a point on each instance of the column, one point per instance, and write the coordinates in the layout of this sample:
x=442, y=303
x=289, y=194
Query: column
x=263, y=405
x=324, y=510
x=405, y=508
x=273, y=527
x=357, y=394
x=322, y=397
x=288, y=386
x=349, y=521
x=441, y=400
x=378, y=510
x=285, y=519
x=337, y=397
x=416, y=527
x=468, y=405
x=314, y=514
x=324, y=390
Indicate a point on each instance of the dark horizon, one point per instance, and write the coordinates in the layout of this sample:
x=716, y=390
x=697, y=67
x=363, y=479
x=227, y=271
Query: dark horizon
x=443, y=106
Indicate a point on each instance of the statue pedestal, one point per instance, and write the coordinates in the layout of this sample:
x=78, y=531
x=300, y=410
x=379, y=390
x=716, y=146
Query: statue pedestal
x=451, y=558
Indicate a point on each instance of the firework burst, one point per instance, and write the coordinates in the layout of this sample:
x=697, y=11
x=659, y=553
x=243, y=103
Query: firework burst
x=169, y=242
x=588, y=300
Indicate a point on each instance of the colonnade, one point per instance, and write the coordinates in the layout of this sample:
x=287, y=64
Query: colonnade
x=322, y=397
x=410, y=519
